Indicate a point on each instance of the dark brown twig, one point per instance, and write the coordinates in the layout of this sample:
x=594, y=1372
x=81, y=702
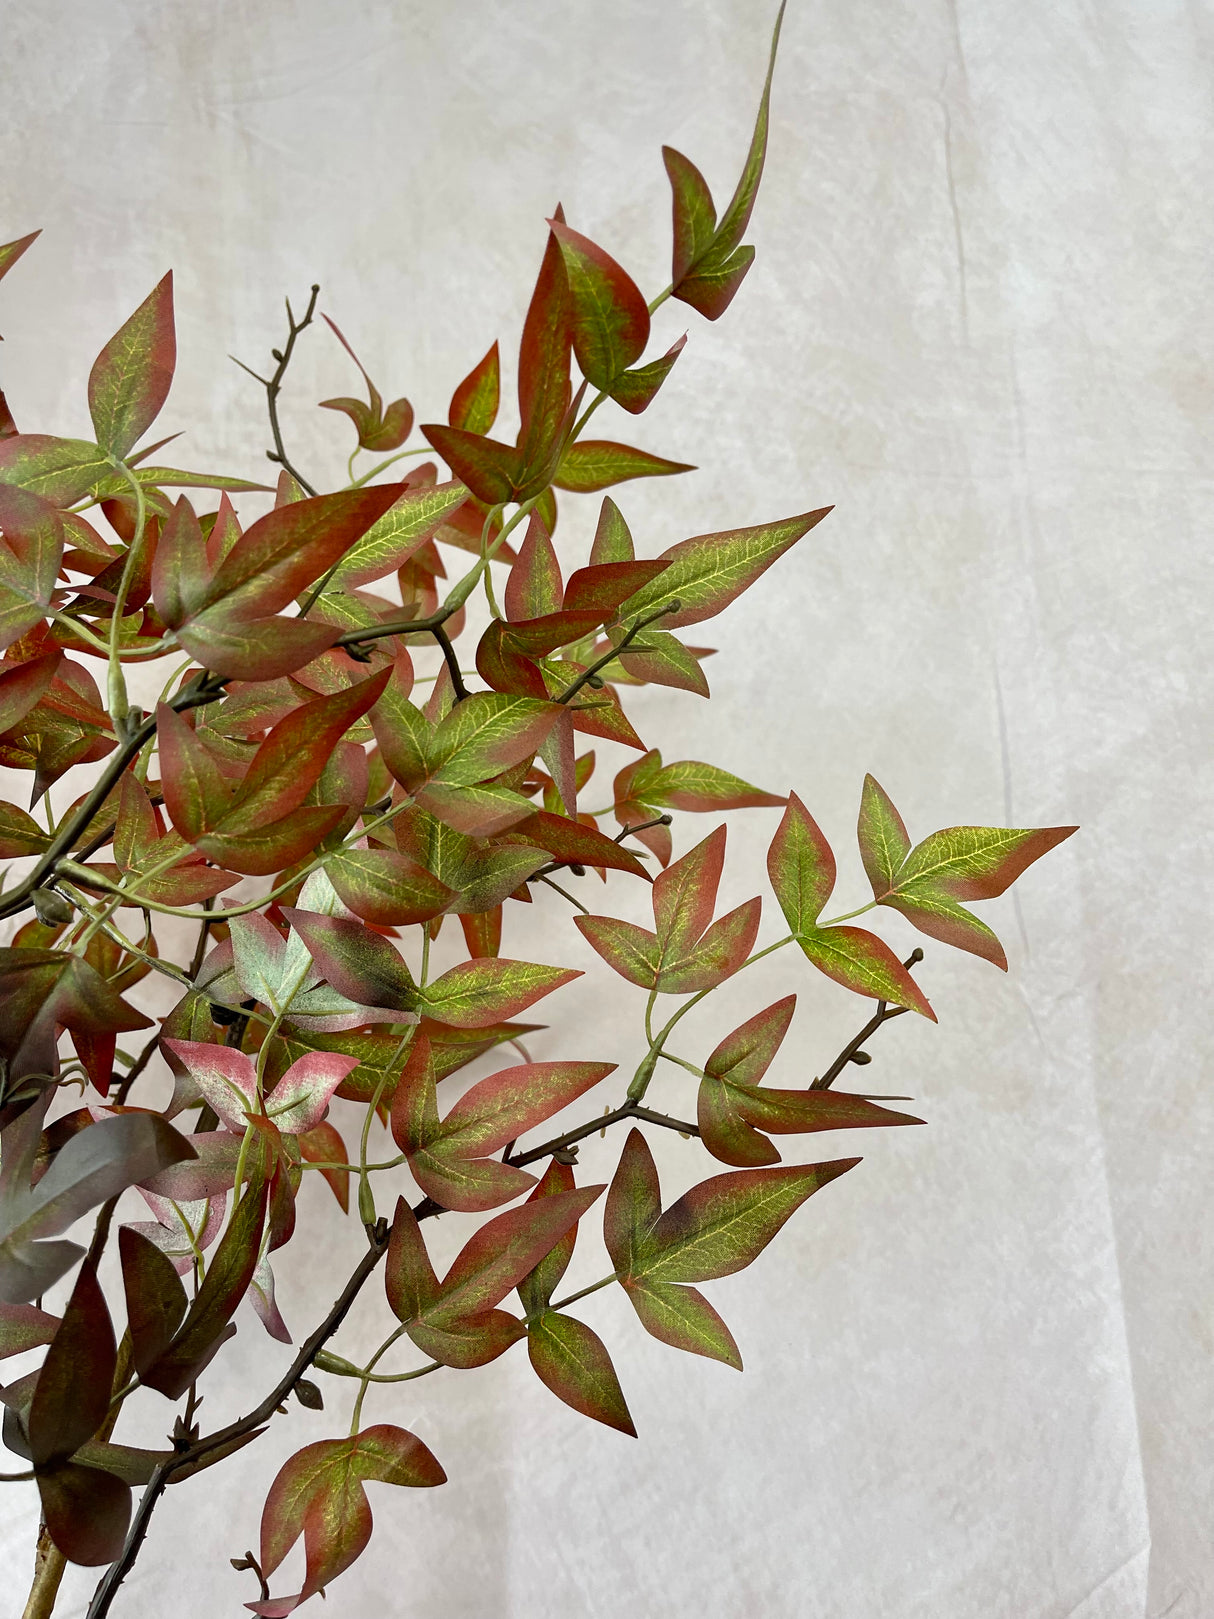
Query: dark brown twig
x=883, y=1014
x=273, y=386
x=587, y=675
x=206, y=688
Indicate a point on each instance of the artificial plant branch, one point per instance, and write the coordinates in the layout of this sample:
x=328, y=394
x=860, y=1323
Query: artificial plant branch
x=851, y=1050
x=273, y=385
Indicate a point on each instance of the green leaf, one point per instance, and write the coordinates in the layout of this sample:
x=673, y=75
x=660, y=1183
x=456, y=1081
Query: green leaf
x=632, y=951
x=708, y=572
x=131, y=377
x=156, y=1302
x=610, y=320
x=683, y=1318
x=61, y=470
x=612, y=539
x=386, y=888
x=928, y=883
x=636, y=390
x=572, y=1360
x=475, y=994
x=393, y=538
x=486, y=734
x=588, y=465
x=723, y=1224
x=687, y=784
x=802, y=869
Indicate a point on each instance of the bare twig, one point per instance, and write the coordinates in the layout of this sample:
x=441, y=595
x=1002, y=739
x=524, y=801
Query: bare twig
x=273, y=386
x=851, y=1050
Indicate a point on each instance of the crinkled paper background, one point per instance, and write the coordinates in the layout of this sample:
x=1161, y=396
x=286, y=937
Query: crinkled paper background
x=979, y=1381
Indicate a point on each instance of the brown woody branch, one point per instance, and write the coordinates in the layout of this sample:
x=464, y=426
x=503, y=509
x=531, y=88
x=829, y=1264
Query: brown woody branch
x=206, y=688
x=852, y=1050
x=273, y=386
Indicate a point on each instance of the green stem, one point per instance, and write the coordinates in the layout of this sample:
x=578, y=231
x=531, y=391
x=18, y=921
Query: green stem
x=572, y=1298
x=847, y=916
x=644, y=1073
x=116, y=681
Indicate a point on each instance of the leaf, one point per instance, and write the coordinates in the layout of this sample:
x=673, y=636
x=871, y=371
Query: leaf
x=573, y=841
x=459, y=1324
x=23, y=1327
x=393, y=538
x=733, y=1107
x=723, y=1224
x=30, y=555
x=323, y=1144
x=632, y=951
x=474, y=402
x=20, y=834
x=572, y=1360
x=156, y=1302
x=683, y=1318
x=802, y=871
x=97, y=1163
x=927, y=883
x=882, y=835
x=543, y=367
x=61, y=470
x=612, y=539
x=72, y=1398
x=633, y=1203
x=318, y=1493
x=131, y=377
x=86, y=1511
x=491, y=470
x=450, y=1158
x=687, y=784
x=475, y=994
x=609, y=319
x=22, y=685
x=708, y=572
x=291, y=759
x=535, y=1290
x=233, y=632
x=386, y=888
x=534, y=587
x=206, y=1325
x=636, y=390
x=486, y=734
x=709, y=264
x=299, y=1101
x=358, y=963
x=588, y=465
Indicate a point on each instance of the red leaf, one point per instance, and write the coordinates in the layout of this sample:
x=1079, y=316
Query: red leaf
x=319, y=1493
x=491, y=470
x=72, y=1398
x=474, y=402
x=543, y=372
x=610, y=320
x=633, y=951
